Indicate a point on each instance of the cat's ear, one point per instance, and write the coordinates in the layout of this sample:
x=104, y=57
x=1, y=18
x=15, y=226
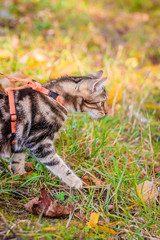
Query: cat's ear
x=95, y=75
x=97, y=84
x=92, y=82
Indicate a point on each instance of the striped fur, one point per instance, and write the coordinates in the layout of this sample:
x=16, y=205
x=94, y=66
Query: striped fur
x=39, y=118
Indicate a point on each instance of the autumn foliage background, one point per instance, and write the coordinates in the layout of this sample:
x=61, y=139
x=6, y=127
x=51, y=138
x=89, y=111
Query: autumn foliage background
x=48, y=39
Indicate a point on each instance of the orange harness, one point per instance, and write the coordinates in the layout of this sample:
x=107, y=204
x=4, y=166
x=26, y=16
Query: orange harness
x=30, y=84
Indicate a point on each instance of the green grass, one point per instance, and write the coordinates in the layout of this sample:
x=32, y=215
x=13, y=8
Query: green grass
x=121, y=151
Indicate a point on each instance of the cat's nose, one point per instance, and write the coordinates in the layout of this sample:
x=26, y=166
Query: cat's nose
x=105, y=114
x=101, y=117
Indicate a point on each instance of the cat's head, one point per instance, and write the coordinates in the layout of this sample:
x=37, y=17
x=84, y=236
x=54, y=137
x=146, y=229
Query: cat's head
x=84, y=94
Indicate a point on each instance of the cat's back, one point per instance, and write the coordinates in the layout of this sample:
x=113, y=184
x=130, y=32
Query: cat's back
x=4, y=106
x=4, y=118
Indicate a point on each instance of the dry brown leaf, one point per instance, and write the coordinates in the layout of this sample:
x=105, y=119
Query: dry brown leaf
x=38, y=55
x=147, y=191
x=97, y=182
x=89, y=179
x=28, y=174
x=29, y=166
x=137, y=215
x=110, y=207
x=156, y=163
x=15, y=42
x=23, y=59
x=103, y=222
x=80, y=216
x=86, y=181
x=44, y=205
x=156, y=169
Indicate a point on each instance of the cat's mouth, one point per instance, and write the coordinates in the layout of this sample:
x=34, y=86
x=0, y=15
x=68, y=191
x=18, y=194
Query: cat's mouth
x=98, y=115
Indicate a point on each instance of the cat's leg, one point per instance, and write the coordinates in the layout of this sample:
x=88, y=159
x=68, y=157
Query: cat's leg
x=18, y=163
x=56, y=165
x=5, y=150
x=44, y=151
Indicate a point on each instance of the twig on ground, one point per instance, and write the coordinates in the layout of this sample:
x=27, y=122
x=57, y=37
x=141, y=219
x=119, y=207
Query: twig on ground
x=7, y=226
x=71, y=213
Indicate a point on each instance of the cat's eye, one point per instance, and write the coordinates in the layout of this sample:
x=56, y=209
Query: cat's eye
x=99, y=104
x=102, y=104
x=89, y=102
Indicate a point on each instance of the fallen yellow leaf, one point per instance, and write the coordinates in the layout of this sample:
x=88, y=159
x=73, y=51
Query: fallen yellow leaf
x=4, y=53
x=93, y=223
x=94, y=219
x=50, y=229
x=108, y=230
x=131, y=62
x=147, y=191
x=151, y=106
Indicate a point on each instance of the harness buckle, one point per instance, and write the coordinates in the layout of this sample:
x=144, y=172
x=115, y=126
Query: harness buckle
x=53, y=95
x=35, y=86
x=13, y=117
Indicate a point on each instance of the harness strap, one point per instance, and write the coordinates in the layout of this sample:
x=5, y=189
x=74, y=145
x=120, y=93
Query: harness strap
x=30, y=84
x=13, y=116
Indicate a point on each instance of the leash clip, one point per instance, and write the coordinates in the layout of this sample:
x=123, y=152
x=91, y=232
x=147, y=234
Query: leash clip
x=35, y=85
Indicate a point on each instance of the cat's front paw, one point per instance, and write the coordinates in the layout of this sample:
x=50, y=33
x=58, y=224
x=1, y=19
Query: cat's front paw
x=73, y=181
x=78, y=184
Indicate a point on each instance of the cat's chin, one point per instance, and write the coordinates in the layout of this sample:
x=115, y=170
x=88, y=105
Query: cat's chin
x=96, y=116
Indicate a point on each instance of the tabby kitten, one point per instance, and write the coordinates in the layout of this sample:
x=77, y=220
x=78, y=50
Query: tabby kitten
x=39, y=118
